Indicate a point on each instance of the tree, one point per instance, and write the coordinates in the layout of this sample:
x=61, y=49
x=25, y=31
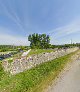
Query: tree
x=39, y=40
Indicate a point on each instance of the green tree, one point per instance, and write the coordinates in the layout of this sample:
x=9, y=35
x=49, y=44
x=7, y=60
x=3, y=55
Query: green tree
x=39, y=40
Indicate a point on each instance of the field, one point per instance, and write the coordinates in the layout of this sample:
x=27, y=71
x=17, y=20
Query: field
x=9, y=52
x=35, y=79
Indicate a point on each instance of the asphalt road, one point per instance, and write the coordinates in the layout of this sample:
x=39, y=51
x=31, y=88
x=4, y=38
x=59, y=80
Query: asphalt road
x=70, y=82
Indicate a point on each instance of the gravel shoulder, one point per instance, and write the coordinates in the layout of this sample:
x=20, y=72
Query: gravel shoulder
x=69, y=79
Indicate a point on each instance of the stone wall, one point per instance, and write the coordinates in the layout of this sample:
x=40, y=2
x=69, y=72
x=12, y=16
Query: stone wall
x=19, y=65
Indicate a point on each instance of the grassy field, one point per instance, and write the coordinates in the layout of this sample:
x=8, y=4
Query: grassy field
x=38, y=51
x=35, y=79
x=6, y=52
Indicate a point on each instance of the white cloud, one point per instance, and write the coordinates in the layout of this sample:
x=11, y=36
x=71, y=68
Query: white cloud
x=10, y=13
x=71, y=28
x=13, y=40
x=60, y=35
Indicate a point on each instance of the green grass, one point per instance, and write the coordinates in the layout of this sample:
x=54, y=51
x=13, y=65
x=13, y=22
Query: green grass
x=38, y=51
x=10, y=60
x=6, y=52
x=1, y=71
x=35, y=79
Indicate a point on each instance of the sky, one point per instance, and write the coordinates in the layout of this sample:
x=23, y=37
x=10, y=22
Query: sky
x=58, y=18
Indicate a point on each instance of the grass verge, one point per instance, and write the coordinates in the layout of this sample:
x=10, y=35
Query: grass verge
x=38, y=51
x=35, y=79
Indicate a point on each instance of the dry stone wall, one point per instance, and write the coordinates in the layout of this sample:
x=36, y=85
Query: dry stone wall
x=19, y=65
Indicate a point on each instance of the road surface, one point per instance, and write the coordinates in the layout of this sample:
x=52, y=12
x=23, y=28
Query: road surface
x=70, y=81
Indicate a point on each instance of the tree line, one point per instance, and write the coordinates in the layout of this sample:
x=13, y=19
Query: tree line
x=42, y=41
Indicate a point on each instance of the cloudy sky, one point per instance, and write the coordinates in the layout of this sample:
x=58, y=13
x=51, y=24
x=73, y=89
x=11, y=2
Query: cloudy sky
x=58, y=18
